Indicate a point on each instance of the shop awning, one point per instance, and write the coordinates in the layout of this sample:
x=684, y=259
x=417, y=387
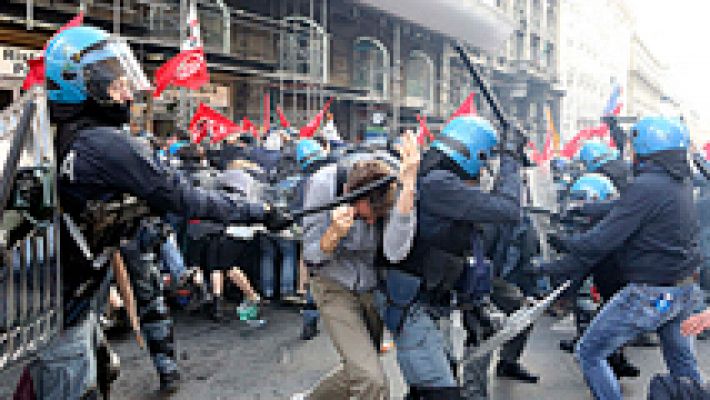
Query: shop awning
x=476, y=22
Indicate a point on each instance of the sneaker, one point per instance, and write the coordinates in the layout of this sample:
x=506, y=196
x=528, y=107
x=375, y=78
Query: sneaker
x=170, y=382
x=513, y=370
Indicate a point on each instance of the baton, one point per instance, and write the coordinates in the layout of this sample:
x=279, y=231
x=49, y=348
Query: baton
x=124, y=287
x=346, y=198
x=700, y=165
x=488, y=94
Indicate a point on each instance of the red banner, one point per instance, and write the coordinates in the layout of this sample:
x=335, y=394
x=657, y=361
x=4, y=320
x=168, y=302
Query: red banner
x=207, y=121
x=248, y=126
x=310, y=129
x=282, y=118
x=424, y=132
x=35, y=75
x=187, y=69
x=468, y=107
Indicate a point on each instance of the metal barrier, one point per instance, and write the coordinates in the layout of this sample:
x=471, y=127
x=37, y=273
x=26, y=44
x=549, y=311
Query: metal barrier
x=30, y=288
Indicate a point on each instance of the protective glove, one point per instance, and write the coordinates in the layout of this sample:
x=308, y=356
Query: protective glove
x=276, y=219
x=557, y=242
x=514, y=144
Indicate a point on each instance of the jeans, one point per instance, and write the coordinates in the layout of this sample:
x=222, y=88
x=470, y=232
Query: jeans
x=421, y=348
x=633, y=310
x=173, y=261
x=310, y=311
x=288, y=265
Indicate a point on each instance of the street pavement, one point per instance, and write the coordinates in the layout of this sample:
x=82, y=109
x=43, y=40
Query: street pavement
x=235, y=361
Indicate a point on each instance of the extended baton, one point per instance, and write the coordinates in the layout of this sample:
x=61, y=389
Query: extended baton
x=345, y=198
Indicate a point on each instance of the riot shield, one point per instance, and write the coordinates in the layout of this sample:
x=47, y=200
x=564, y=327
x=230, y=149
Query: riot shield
x=30, y=304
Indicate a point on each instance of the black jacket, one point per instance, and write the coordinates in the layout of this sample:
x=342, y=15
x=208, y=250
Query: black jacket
x=652, y=228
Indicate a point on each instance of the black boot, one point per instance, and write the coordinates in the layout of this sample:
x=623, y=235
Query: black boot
x=568, y=345
x=310, y=330
x=216, y=312
x=513, y=370
x=170, y=382
x=622, y=367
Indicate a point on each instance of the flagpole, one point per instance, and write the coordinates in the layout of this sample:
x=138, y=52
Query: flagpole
x=182, y=104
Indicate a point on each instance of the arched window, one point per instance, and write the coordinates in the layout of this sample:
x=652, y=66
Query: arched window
x=304, y=48
x=420, y=80
x=371, y=66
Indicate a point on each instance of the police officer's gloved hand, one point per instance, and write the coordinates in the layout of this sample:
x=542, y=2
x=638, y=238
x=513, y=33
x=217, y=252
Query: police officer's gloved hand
x=276, y=219
x=514, y=144
x=556, y=241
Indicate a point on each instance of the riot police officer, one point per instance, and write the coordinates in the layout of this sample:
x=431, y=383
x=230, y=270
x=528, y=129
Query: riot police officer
x=92, y=77
x=450, y=210
x=652, y=230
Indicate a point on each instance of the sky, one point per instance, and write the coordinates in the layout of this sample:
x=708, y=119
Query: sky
x=677, y=32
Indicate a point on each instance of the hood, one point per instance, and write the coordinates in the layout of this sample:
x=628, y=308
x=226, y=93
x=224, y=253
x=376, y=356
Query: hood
x=673, y=162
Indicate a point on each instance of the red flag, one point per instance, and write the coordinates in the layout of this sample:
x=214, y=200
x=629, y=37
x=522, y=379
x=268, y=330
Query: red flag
x=208, y=121
x=707, y=150
x=267, y=112
x=248, y=126
x=187, y=69
x=424, y=131
x=468, y=107
x=282, y=118
x=35, y=75
x=310, y=129
x=73, y=23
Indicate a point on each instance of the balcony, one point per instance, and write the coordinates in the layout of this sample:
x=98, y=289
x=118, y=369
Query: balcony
x=473, y=21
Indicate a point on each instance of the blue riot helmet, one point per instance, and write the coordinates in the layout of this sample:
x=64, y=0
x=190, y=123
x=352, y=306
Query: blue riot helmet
x=468, y=142
x=593, y=187
x=596, y=154
x=309, y=151
x=651, y=135
x=88, y=63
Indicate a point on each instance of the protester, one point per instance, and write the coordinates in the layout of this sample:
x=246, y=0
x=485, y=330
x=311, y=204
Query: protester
x=340, y=249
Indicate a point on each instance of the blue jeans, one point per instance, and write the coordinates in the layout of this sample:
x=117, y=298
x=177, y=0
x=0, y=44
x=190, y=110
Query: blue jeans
x=421, y=349
x=634, y=310
x=288, y=265
x=173, y=261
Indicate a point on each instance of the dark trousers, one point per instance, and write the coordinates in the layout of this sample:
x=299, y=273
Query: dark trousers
x=509, y=299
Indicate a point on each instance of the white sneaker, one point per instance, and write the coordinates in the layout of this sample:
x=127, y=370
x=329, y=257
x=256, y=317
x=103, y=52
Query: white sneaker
x=298, y=396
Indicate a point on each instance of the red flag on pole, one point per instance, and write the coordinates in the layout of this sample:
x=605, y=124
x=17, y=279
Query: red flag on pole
x=310, y=129
x=468, y=107
x=35, y=75
x=207, y=121
x=189, y=67
x=267, y=112
x=282, y=118
x=424, y=132
x=248, y=126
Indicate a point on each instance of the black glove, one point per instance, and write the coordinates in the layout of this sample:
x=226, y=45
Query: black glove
x=276, y=219
x=514, y=143
x=557, y=242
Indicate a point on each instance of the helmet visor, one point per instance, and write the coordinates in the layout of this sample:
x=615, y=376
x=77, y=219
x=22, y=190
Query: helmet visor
x=112, y=73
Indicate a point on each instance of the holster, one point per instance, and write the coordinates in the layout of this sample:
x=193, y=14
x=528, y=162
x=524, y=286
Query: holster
x=401, y=290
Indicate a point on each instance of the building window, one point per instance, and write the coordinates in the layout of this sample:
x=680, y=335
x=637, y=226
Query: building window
x=371, y=66
x=420, y=78
x=303, y=47
x=519, y=45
